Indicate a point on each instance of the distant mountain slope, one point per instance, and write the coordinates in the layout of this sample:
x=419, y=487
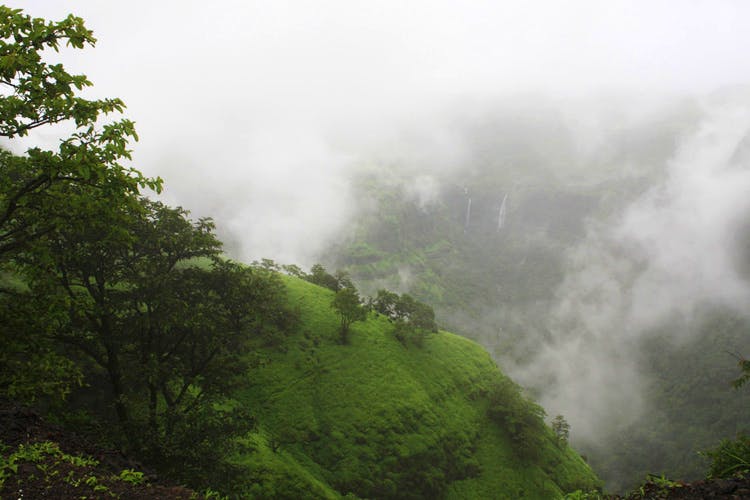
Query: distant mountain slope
x=492, y=268
x=377, y=419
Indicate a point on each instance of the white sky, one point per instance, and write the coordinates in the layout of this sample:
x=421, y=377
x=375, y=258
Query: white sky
x=242, y=105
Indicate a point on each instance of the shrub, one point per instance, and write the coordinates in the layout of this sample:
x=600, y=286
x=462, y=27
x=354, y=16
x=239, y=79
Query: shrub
x=730, y=458
x=520, y=417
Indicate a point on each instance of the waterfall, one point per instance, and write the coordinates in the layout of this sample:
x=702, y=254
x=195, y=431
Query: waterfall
x=501, y=214
x=468, y=215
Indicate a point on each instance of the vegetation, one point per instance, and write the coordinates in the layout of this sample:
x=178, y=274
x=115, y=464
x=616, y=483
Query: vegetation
x=496, y=286
x=318, y=275
x=40, y=94
x=731, y=458
x=521, y=417
x=42, y=469
x=413, y=320
x=41, y=191
x=120, y=313
x=347, y=304
x=372, y=419
x=102, y=292
x=744, y=365
x=561, y=428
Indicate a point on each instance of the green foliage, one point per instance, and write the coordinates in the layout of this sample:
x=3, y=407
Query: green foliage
x=520, y=417
x=349, y=307
x=293, y=270
x=655, y=487
x=412, y=319
x=693, y=406
x=584, y=495
x=321, y=277
x=210, y=494
x=162, y=339
x=31, y=367
x=37, y=453
x=744, y=365
x=495, y=287
x=730, y=458
x=662, y=481
x=198, y=448
x=131, y=476
x=386, y=303
x=43, y=469
x=561, y=428
x=318, y=275
x=375, y=420
x=39, y=93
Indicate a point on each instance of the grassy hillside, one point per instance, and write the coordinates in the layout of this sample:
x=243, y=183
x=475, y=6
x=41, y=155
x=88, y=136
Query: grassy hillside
x=498, y=286
x=377, y=419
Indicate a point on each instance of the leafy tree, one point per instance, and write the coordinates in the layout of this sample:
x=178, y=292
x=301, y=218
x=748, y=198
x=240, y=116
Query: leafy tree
x=318, y=275
x=34, y=194
x=422, y=317
x=561, y=428
x=349, y=307
x=167, y=332
x=520, y=417
x=385, y=303
x=37, y=94
x=31, y=365
x=343, y=280
x=413, y=319
x=293, y=270
x=321, y=277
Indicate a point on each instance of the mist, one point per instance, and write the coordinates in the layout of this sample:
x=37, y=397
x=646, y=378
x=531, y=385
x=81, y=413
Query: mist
x=254, y=113
x=261, y=114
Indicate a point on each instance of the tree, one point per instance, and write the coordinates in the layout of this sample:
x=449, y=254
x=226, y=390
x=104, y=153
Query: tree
x=149, y=302
x=343, y=280
x=321, y=277
x=31, y=365
x=293, y=270
x=349, y=307
x=413, y=319
x=37, y=94
x=385, y=303
x=561, y=428
x=520, y=417
x=137, y=295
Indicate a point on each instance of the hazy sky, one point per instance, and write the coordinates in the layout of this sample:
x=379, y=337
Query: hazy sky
x=252, y=111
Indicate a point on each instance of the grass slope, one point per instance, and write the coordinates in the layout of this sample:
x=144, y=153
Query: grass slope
x=379, y=420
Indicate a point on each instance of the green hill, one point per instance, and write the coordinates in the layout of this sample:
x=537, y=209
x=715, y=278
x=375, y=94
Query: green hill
x=498, y=286
x=379, y=420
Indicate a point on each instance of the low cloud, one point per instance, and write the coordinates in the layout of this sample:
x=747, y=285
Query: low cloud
x=672, y=251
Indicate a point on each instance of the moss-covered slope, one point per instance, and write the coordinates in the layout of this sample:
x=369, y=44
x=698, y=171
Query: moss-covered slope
x=379, y=420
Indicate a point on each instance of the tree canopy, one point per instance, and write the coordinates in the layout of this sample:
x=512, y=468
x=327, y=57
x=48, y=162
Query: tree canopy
x=38, y=93
x=122, y=301
x=349, y=307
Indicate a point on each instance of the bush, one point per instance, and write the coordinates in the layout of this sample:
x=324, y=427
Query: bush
x=520, y=417
x=730, y=458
